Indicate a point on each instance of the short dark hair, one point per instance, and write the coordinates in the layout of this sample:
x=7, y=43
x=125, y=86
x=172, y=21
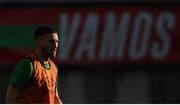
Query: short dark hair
x=43, y=30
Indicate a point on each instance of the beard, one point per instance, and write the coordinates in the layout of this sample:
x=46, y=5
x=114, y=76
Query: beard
x=48, y=53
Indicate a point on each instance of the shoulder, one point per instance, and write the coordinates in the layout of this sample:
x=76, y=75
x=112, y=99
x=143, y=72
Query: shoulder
x=22, y=74
x=26, y=61
x=54, y=64
x=25, y=64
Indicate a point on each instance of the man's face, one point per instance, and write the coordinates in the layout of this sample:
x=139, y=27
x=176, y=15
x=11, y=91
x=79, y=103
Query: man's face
x=49, y=45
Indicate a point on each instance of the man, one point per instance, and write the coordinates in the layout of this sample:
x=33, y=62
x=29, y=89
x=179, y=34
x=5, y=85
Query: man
x=35, y=78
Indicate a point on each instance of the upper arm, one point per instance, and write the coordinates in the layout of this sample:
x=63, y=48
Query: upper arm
x=20, y=78
x=22, y=75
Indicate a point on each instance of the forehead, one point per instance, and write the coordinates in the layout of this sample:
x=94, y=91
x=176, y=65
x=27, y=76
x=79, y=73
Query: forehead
x=51, y=36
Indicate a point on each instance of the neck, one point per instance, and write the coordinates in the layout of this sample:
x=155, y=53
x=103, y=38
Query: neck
x=43, y=59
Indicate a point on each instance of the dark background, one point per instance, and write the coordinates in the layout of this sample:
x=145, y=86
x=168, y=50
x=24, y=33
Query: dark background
x=110, y=83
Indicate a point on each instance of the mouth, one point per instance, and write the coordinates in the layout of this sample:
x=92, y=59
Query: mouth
x=54, y=50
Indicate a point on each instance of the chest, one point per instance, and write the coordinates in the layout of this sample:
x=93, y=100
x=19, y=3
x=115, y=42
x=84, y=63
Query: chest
x=45, y=78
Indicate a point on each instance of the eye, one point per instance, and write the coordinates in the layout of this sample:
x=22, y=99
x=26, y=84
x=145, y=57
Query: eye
x=53, y=41
x=56, y=41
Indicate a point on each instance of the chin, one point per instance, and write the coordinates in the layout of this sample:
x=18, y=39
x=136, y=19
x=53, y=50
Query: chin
x=53, y=56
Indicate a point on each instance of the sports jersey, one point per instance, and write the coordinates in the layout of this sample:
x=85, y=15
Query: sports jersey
x=38, y=82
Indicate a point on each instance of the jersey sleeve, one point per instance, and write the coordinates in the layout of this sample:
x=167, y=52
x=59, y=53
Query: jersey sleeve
x=22, y=74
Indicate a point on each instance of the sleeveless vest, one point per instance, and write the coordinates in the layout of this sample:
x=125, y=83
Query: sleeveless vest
x=42, y=89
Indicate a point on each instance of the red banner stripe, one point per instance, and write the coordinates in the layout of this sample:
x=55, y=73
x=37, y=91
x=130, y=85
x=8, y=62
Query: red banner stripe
x=50, y=15
x=12, y=55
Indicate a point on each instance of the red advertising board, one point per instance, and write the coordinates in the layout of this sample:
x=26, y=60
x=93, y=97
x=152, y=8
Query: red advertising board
x=106, y=35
